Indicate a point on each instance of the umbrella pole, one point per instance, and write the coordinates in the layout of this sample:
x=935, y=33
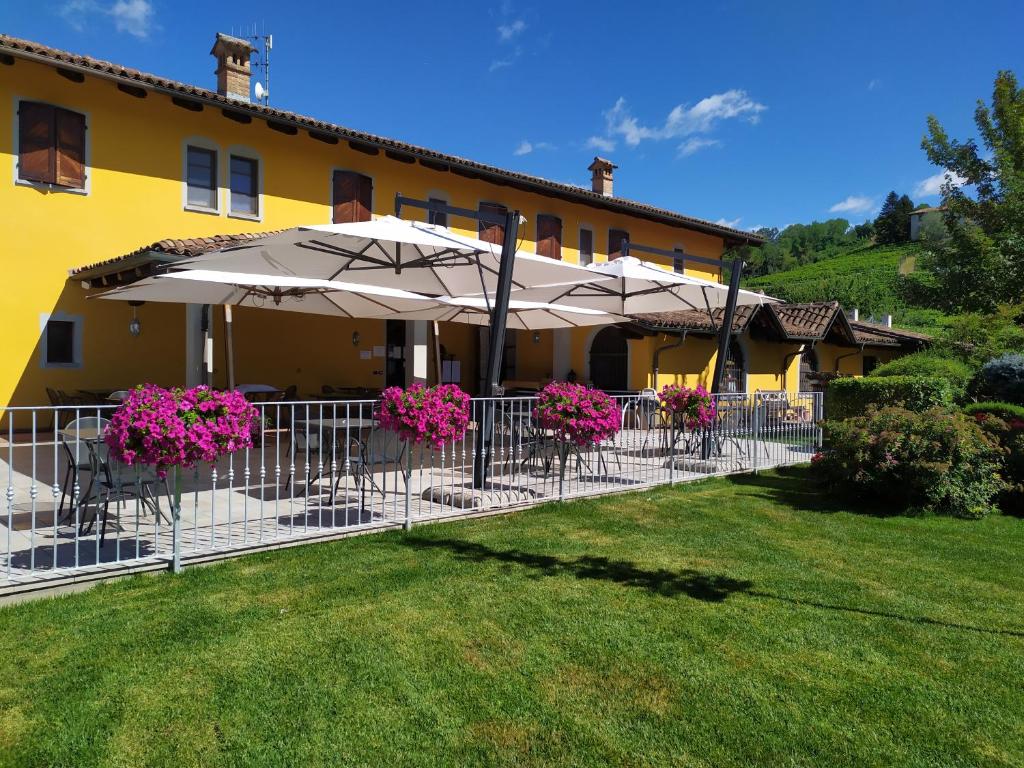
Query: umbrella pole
x=499, y=318
x=724, y=334
x=437, y=353
x=229, y=346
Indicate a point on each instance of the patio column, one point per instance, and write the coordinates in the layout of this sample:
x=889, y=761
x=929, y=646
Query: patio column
x=561, y=358
x=193, y=345
x=417, y=340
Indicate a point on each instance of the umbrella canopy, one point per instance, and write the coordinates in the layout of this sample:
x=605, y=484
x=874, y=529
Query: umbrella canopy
x=631, y=287
x=522, y=315
x=389, y=252
x=294, y=294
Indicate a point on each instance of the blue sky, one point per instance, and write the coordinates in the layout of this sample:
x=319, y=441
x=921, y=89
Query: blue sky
x=749, y=113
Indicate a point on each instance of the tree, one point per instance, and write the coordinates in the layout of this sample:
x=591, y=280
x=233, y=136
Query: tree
x=865, y=231
x=893, y=223
x=982, y=263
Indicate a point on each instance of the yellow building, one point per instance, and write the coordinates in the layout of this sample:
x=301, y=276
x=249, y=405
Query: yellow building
x=100, y=160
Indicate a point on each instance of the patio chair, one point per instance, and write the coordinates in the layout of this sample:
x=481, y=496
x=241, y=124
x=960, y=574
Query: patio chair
x=117, y=483
x=526, y=442
x=382, y=447
x=78, y=454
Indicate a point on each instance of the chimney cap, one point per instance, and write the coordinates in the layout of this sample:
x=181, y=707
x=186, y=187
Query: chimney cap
x=227, y=41
x=601, y=164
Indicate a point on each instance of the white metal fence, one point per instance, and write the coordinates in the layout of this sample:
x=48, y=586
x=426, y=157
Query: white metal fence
x=326, y=469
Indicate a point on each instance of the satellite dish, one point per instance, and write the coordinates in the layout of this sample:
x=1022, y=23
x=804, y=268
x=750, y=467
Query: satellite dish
x=260, y=91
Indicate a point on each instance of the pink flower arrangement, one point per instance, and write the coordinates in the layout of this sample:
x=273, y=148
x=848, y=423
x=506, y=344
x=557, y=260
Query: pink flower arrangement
x=696, y=407
x=434, y=415
x=179, y=427
x=577, y=414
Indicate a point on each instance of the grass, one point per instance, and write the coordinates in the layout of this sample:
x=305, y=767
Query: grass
x=744, y=621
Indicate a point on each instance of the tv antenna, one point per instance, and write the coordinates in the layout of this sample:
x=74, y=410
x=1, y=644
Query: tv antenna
x=262, y=44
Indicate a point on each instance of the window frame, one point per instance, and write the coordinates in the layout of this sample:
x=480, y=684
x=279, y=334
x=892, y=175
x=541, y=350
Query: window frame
x=244, y=153
x=199, y=142
x=579, y=243
x=46, y=186
x=348, y=169
x=76, y=340
x=561, y=234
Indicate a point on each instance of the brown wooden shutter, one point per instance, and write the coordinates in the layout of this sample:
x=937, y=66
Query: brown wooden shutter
x=70, y=145
x=615, y=238
x=492, y=233
x=353, y=197
x=36, y=156
x=549, y=236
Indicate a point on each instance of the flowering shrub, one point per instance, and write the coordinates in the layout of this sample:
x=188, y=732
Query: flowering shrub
x=696, y=407
x=937, y=461
x=577, y=414
x=434, y=415
x=1005, y=423
x=179, y=427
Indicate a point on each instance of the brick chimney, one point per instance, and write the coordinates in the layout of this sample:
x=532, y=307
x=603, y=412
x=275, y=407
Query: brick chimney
x=233, y=73
x=601, y=180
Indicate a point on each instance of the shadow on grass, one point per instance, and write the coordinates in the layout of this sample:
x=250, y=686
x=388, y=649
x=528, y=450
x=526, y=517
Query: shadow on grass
x=711, y=588
x=797, y=487
x=700, y=586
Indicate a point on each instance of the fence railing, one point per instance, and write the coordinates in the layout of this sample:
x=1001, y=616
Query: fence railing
x=324, y=469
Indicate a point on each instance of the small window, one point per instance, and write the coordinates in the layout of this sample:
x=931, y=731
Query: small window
x=352, y=197
x=51, y=145
x=201, y=178
x=438, y=218
x=245, y=195
x=490, y=231
x=586, y=247
x=615, y=240
x=678, y=262
x=549, y=236
x=61, y=347
x=870, y=363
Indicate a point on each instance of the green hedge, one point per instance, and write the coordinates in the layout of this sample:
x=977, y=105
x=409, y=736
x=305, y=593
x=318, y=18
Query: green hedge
x=845, y=398
x=1005, y=411
x=928, y=363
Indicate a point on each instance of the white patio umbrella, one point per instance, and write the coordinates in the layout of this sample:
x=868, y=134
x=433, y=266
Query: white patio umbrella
x=633, y=287
x=522, y=315
x=294, y=294
x=389, y=252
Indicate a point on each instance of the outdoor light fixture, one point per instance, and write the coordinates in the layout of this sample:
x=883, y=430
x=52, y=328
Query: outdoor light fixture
x=355, y=338
x=536, y=337
x=134, y=325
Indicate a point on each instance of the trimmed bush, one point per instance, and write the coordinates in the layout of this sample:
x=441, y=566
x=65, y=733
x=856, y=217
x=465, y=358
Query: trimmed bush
x=938, y=461
x=1002, y=379
x=849, y=397
x=1006, y=411
x=928, y=363
x=1005, y=423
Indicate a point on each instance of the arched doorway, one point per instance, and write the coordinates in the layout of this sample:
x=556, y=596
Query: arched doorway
x=734, y=378
x=609, y=360
x=808, y=367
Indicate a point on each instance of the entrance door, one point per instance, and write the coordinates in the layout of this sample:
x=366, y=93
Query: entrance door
x=808, y=367
x=609, y=360
x=394, y=369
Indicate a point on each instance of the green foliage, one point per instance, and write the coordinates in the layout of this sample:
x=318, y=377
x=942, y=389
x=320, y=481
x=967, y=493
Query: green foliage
x=982, y=264
x=929, y=363
x=1002, y=379
x=849, y=397
x=1005, y=411
x=798, y=244
x=892, y=226
x=978, y=337
x=1004, y=422
x=936, y=462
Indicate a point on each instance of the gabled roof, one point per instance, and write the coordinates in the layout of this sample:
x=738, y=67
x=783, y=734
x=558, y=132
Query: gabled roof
x=885, y=334
x=697, y=320
x=810, y=322
x=439, y=161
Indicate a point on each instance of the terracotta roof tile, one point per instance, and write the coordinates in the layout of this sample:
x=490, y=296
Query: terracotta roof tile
x=182, y=247
x=29, y=49
x=806, y=321
x=697, y=320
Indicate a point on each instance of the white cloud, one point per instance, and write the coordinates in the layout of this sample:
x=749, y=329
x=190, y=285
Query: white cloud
x=684, y=120
x=601, y=144
x=508, y=31
x=134, y=17
x=499, y=64
x=932, y=186
x=696, y=144
x=874, y=84
x=732, y=224
x=853, y=204
x=526, y=147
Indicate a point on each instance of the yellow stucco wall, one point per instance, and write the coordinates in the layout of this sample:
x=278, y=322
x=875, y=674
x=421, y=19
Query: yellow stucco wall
x=135, y=163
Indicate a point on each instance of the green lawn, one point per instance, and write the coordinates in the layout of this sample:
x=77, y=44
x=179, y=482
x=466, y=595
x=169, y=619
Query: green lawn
x=735, y=622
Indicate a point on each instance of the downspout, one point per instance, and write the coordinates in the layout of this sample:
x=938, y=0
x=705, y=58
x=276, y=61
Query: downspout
x=665, y=348
x=858, y=351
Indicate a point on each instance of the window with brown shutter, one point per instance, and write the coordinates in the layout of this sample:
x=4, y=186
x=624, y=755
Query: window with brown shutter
x=353, y=197
x=491, y=232
x=549, y=236
x=586, y=247
x=51, y=145
x=615, y=238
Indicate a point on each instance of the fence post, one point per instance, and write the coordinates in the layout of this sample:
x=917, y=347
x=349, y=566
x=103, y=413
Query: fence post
x=672, y=449
x=408, y=491
x=757, y=429
x=176, y=523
